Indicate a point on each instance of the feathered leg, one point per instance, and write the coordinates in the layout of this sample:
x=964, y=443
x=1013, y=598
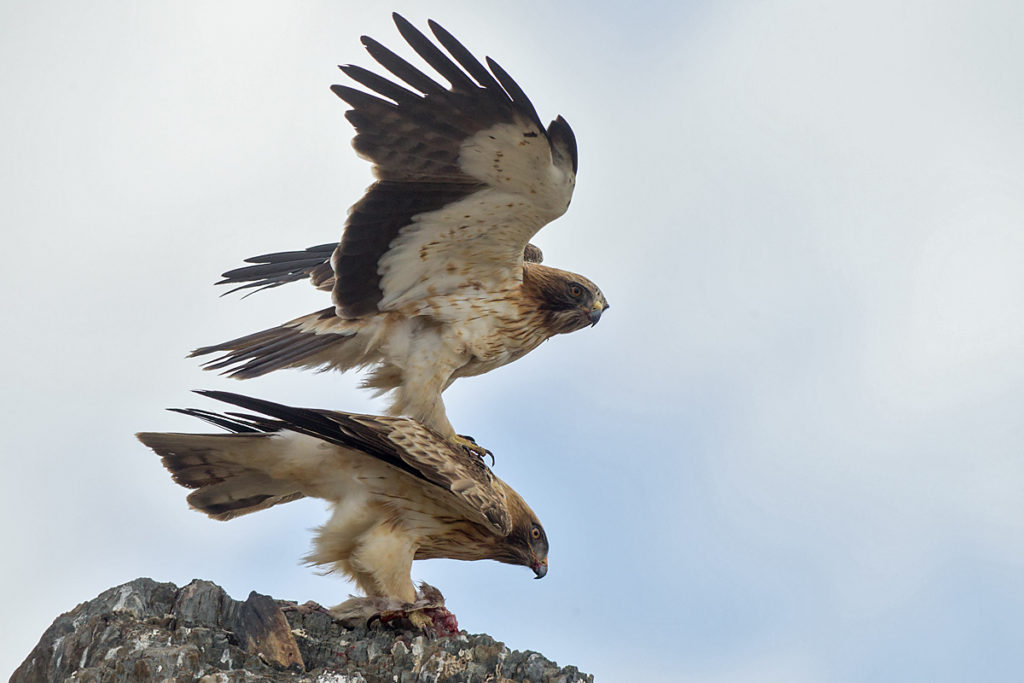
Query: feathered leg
x=418, y=395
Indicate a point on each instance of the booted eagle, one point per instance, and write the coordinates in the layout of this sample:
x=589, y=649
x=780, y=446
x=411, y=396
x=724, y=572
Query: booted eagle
x=398, y=490
x=434, y=277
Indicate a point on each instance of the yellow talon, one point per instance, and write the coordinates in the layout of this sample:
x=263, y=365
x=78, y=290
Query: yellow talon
x=471, y=447
x=421, y=621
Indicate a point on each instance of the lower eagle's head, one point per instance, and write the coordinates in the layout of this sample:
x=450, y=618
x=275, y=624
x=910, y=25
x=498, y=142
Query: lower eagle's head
x=527, y=544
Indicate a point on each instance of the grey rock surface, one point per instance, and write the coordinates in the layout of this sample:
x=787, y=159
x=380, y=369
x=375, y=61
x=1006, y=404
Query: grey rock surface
x=149, y=631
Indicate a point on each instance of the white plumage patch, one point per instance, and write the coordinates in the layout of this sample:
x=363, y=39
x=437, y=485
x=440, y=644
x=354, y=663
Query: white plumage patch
x=477, y=242
x=474, y=244
x=516, y=158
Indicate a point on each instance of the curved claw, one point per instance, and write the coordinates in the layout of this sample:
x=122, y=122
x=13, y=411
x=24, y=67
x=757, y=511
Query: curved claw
x=471, y=447
x=423, y=623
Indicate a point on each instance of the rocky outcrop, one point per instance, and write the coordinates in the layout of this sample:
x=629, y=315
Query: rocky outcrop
x=149, y=631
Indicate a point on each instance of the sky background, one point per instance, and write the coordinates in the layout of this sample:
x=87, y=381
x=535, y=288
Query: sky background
x=793, y=450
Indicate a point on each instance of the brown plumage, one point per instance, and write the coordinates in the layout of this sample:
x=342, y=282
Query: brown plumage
x=399, y=491
x=434, y=277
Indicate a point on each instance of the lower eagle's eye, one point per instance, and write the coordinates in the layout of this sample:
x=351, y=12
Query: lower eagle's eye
x=535, y=532
x=576, y=291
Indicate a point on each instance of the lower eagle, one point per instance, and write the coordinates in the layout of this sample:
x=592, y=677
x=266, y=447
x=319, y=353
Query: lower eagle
x=399, y=492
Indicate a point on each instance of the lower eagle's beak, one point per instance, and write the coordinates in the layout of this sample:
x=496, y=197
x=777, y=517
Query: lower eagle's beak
x=540, y=568
x=595, y=313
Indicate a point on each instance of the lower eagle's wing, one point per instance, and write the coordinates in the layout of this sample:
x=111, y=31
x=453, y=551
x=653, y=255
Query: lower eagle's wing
x=400, y=442
x=466, y=176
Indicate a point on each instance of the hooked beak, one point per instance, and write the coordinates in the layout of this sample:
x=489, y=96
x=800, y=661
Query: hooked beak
x=595, y=312
x=540, y=568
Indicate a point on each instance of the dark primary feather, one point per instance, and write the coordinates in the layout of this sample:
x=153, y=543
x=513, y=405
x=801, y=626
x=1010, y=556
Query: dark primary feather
x=273, y=270
x=401, y=68
x=231, y=422
x=431, y=55
x=470, y=63
x=378, y=84
x=561, y=134
x=519, y=98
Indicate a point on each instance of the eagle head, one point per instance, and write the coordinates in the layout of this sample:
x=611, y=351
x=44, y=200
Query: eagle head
x=571, y=301
x=538, y=549
x=526, y=544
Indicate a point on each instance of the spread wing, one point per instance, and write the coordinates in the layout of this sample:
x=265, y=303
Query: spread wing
x=467, y=174
x=402, y=443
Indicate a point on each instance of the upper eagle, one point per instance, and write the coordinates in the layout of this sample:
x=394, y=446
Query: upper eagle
x=434, y=277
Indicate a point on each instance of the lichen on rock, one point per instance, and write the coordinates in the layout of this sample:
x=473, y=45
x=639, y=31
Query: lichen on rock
x=145, y=630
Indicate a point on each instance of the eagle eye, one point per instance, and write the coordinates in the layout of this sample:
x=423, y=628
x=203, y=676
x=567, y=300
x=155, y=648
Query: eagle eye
x=575, y=291
x=535, y=533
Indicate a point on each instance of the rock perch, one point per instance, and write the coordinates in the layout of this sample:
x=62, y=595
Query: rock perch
x=150, y=631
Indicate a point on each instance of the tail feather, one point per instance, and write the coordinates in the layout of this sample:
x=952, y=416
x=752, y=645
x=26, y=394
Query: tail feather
x=274, y=270
x=215, y=465
x=316, y=340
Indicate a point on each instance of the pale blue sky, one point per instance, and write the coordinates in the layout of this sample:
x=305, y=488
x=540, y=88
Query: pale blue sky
x=793, y=450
